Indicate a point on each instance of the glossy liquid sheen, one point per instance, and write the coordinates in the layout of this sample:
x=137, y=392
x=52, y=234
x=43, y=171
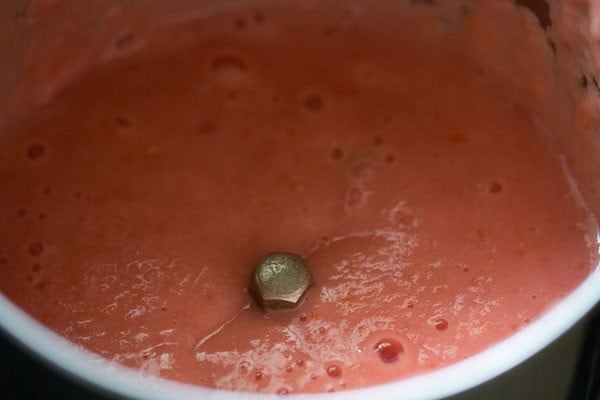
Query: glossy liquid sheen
x=434, y=216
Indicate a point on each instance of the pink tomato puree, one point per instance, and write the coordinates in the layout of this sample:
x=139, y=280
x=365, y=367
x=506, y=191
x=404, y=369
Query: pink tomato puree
x=435, y=215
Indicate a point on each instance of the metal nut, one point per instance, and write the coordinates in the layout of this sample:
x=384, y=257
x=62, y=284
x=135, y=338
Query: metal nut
x=280, y=280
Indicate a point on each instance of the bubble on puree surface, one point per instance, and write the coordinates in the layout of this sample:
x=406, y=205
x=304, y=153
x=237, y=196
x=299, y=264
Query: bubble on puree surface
x=434, y=217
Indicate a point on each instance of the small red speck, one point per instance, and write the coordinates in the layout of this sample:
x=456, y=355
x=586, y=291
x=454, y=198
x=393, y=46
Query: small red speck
x=35, y=249
x=259, y=17
x=122, y=122
x=41, y=285
x=495, y=187
x=440, y=324
x=336, y=154
x=206, y=128
x=124, y=39
x=329, y=31
x=389, y=350
x=35, y=151
x=240, y=23
x=313, y=103
x=334, y=371
x=457, y=138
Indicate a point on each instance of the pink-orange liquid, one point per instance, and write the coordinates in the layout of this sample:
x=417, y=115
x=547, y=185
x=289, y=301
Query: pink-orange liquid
x=434, y=216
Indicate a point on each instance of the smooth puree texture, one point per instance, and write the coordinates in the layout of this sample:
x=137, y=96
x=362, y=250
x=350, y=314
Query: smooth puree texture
x=433, y=213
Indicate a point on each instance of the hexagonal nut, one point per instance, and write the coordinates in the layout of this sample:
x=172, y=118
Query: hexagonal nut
x=280, y=280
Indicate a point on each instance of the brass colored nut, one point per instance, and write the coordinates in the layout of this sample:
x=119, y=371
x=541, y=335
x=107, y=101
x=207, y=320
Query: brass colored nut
x=280, y=280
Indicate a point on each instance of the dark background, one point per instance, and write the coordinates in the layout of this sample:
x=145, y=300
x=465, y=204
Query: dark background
x=23, y=377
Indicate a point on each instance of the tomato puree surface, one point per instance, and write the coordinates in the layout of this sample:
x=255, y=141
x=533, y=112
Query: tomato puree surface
x=435, y=215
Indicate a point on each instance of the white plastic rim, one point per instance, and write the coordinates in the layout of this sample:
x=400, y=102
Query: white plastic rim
x=91, y=369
